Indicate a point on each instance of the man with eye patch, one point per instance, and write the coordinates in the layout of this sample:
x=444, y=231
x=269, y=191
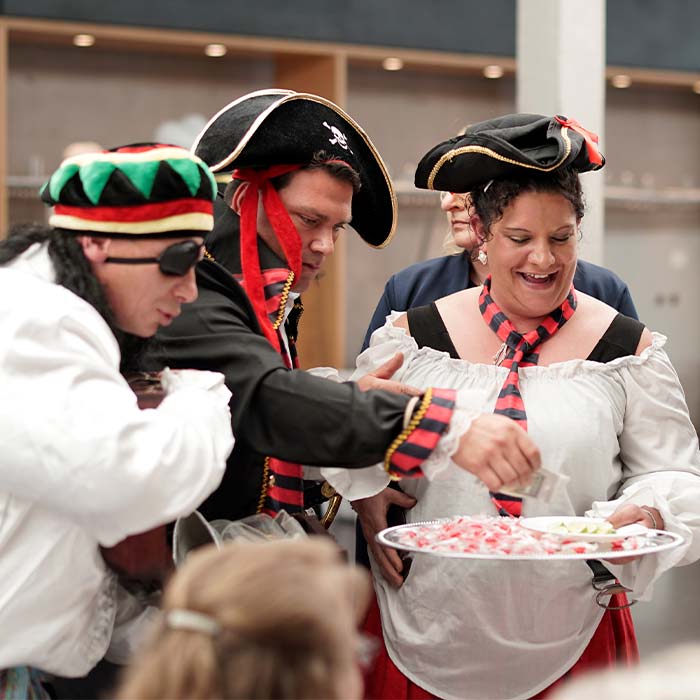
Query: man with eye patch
x=83, y=467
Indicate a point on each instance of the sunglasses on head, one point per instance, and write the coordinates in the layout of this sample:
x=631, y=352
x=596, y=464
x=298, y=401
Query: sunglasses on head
x=176, y=260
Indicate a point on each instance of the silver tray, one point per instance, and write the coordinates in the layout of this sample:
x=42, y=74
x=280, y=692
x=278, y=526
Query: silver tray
x=655, y=541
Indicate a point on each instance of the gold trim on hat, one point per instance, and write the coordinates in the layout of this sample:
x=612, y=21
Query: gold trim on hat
x=225, y=109
x=288, y=96
x=483, y=150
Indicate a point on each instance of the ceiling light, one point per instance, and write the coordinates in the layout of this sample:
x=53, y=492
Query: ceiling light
x=696, y=87
x=83, y=40
x=493, y=72
x=621, y=81
x=215, y=50
x=392, y=63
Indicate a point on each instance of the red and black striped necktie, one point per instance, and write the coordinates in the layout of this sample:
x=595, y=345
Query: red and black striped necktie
x=518, y=351
x=283, y=487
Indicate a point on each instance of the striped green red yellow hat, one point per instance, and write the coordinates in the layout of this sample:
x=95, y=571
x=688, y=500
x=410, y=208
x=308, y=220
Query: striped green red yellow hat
x=150, y=190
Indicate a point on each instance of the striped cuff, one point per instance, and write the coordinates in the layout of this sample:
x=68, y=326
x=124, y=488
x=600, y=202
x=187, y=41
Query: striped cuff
x=418, y=439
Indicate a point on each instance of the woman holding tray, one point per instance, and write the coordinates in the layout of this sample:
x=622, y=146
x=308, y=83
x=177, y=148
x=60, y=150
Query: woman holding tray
x=594, y=389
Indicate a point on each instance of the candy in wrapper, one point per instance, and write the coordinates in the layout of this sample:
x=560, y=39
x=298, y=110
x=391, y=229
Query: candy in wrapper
x=490, y=535
x=543, y=484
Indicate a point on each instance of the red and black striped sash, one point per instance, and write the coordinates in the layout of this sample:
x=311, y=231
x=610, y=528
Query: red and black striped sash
x=284, y=481
x=518, y=351
x=274, y=282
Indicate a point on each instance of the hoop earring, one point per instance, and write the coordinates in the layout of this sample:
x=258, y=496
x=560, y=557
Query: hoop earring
x=482, y=257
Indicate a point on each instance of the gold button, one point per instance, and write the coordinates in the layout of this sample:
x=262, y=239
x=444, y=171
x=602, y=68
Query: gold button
x=271, y=480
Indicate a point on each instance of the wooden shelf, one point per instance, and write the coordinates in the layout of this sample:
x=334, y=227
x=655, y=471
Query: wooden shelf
x=614, y=194
x=121, y=38
x=16, y=182
x=668, y=196
x=310, y=66
x=113, y=37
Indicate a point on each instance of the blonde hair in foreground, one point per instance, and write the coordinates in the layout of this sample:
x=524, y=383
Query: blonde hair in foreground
x=287, y=613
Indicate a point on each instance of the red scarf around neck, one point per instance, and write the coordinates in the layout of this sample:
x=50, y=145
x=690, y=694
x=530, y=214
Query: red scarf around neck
x=518, y=352
x=283, y=227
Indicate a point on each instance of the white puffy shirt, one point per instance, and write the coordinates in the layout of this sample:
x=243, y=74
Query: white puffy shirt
x=468, y=629
x=81, y=466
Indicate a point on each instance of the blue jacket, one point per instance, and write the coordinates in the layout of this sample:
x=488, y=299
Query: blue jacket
x=427, y=281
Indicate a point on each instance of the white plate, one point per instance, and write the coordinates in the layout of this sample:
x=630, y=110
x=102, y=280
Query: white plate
x=546, y=523
x=654, y=541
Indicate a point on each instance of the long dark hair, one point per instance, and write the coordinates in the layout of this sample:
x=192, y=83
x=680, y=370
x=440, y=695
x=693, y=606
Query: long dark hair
x=73, y=272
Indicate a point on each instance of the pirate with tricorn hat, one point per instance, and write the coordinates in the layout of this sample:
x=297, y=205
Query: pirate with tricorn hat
x=302, y=170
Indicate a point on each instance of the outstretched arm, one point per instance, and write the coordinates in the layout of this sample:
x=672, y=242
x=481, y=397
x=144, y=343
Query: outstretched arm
x=276, y=411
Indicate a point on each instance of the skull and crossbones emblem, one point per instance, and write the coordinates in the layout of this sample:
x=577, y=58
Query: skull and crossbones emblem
x=338, y=137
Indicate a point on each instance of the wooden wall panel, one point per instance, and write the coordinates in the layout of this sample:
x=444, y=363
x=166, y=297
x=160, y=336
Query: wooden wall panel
x=322, y=332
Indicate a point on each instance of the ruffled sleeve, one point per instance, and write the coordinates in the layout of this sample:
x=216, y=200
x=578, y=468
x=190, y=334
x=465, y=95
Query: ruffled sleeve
x=383, y=345
x=660, y=462
x=363, y=483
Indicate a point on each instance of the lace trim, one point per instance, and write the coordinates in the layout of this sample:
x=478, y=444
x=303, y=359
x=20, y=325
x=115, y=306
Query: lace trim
x=389, y=332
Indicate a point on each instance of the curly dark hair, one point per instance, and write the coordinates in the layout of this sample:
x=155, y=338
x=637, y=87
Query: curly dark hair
x=73, y=272
x=490, y=202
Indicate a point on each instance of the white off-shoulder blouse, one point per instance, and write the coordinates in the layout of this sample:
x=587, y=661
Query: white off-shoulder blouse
x=620, y=431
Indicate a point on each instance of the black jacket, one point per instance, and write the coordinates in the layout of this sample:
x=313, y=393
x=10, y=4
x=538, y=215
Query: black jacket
x=284, y=413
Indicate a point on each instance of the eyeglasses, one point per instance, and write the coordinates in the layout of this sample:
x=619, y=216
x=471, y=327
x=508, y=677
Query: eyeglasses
x=460, y=197
x=176, y=260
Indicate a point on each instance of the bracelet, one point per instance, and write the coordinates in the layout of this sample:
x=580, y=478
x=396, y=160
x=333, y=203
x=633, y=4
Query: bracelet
x=650, y=513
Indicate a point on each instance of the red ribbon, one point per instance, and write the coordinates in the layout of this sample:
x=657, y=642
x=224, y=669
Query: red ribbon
x=283, y=227
x=589, y=137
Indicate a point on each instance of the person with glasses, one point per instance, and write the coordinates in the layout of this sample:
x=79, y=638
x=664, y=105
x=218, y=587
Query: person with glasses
x=257, y=621
x=82, y=466
x=594, y=389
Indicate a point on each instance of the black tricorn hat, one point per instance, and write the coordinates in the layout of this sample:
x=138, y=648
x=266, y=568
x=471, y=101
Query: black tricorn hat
x=508, y=146
x=275, y=127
